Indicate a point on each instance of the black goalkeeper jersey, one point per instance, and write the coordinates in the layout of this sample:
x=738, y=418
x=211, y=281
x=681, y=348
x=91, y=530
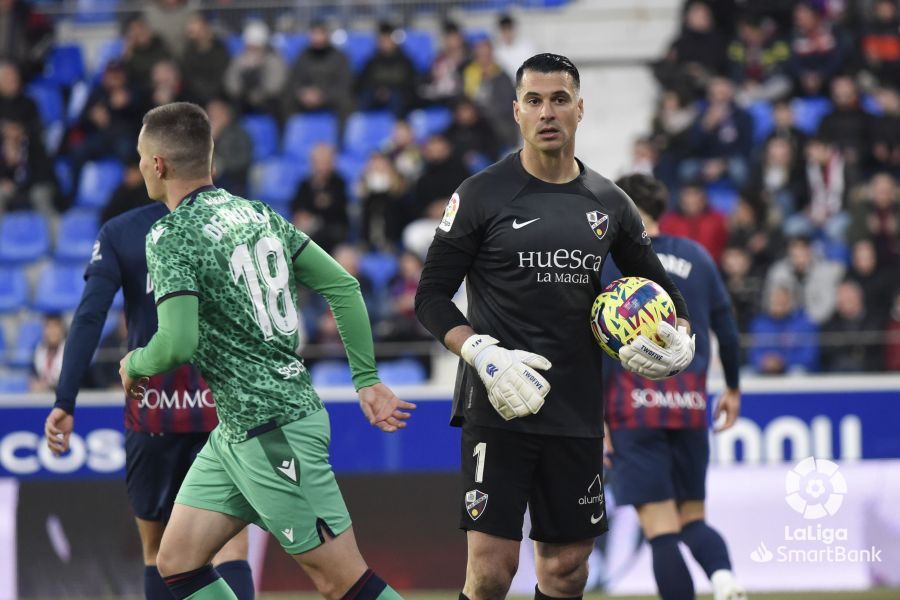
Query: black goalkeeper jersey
x=533, y=254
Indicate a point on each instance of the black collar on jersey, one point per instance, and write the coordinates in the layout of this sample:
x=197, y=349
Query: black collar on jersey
x=193, y=195
x=517, y=156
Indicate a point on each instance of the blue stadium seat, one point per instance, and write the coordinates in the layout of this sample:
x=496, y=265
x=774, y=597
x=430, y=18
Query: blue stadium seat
x=359, y=46
x=76, y=235
x=235, y=43
x=24, y=237
x=58, y=288
x=722, y=197
x=419, y=46
x=49, y=100
x=476, y=35
x=107, y=52
x=64, y=65
x=99, y=179
x=275, y=180
x=96, y=11
x=428, y=121
x=14, y=382
x=63, y=172
x=28, y=334
x=305, y=130
x=13, y=290
x=379, y=267
x=404, y=371
x=263, y=130
x=290, y=45
x=367, y=131
x=351, y=167
x=328, y=373
x=763, y=120
x=808, y=113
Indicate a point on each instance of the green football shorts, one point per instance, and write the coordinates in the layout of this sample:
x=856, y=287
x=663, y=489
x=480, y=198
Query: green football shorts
x=280, y=479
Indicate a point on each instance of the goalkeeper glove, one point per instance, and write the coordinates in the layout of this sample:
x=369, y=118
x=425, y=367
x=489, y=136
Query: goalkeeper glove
x=653, y=361
x=514, y=388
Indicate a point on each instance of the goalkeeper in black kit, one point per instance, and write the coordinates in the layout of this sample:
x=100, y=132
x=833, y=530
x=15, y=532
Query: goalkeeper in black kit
x=531, y=234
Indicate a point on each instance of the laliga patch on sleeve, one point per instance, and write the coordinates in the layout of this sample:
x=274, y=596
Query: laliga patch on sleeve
x=449, y=213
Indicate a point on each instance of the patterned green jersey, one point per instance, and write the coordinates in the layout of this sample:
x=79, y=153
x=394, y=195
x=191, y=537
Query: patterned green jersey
x=236, y=255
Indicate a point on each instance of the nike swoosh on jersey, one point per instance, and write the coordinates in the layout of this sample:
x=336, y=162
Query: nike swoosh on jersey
x=517, y=225
x=595, y=520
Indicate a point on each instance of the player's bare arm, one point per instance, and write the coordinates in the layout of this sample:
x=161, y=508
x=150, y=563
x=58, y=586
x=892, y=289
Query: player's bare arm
x=728, y=408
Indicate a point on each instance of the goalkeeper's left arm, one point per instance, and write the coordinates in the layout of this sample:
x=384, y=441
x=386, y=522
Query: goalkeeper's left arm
x=174, y=342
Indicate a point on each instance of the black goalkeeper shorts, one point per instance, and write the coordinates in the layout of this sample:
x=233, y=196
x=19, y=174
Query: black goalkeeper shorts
x=560, y=479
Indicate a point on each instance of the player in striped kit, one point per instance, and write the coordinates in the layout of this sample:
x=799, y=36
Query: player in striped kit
x=658, y=444
x=165, y=429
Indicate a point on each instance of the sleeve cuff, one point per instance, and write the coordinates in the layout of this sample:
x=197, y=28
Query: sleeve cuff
x=361, y=381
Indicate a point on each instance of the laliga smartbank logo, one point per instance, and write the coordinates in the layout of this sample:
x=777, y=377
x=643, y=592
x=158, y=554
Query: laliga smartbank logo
x=815, y=489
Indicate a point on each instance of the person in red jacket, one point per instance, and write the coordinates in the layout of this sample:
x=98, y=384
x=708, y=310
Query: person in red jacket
x=694, y=219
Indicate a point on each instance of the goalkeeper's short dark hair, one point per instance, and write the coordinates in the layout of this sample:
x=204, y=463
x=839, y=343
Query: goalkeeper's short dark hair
x=183, y=131
x=549, y=63
x=649, y=194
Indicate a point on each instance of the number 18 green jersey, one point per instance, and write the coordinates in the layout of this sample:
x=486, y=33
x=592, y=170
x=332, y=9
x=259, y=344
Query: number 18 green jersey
x=237, y=256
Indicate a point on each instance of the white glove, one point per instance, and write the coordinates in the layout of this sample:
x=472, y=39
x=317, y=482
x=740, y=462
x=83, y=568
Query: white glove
x=653, y=361
x=514, y=388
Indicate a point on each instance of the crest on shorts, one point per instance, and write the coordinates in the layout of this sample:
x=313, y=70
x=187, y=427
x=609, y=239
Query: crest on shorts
x=599, y=223
x=476, y=503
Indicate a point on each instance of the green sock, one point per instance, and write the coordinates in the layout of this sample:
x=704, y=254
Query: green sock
x=217, y=590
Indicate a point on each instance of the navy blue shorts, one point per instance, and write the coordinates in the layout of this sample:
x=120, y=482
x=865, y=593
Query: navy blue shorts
x=155, y=465
x=652, y=465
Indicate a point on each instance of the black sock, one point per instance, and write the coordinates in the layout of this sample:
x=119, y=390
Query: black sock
x=673, y=580
x=239, y=578
x=367, y=587
x=183, y=585
x=539, y=595
x=463, y=596
x=707, y=546
x=154, y=586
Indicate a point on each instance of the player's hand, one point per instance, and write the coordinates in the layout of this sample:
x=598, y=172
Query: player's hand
x=650, y=360
x=383, y=409
x=729, y=405
x=57, y=429
x=133, y=389
x=514, y=387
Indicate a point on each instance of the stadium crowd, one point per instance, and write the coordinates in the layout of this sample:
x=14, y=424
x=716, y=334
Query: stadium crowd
x=777, y=132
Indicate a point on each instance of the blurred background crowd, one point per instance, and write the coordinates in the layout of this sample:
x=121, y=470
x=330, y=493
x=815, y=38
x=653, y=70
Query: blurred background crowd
x=777, y=132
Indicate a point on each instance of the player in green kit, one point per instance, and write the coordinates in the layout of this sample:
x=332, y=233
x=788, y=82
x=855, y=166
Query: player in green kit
x=224, y=270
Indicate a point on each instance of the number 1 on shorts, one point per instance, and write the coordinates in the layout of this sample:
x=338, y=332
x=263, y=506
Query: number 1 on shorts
x=479, y=454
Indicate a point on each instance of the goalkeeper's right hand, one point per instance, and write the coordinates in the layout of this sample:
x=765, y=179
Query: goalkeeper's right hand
x=514, y=388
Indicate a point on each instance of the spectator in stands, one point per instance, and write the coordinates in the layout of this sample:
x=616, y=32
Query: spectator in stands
x=419, y=233
x=743, y=284
x=320, y=206
x=169, y=20
x=881, y=42
x=443, y=173
x=446, y=70
x=167, y=84
x=26, y=175
x=349, y=257
x=877, y=218
x=850, y=339
x=485, y=82
x=382, y=192
x=817, y=52
x=785, y=129
x=698, y=53
x=644, y=157
x=48, y=355
x=828, y=179
x=783, y=340
x=471, y=135
x=720, y=139
x=104, y=372
x=321, y=78
x=884, y=133
x=400, y=323
x=809, y=278
x=142, y=50
x=404, y=152
x=110, y=121
x=757, y=61
x=670, y=135
x=206, y=58
x=256, y=77
x=233, y=147
x=846, y=127
x=877, y=281
x=388, y=79
x=14, y=104
x=25, y=36
x=752, y=227
x=780, y=180
x=892, y=336
x=510, y=47
x=131, y=193
x=694, y=219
